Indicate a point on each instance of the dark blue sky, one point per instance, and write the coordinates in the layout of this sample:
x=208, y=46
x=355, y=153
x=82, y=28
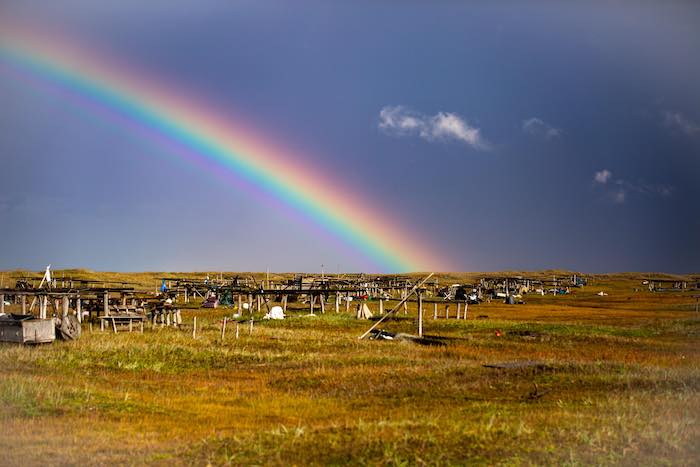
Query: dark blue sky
x=526, y=135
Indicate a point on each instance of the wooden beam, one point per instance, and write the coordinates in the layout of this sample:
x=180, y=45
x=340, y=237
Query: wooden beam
x=398, y=305
x=420, y=314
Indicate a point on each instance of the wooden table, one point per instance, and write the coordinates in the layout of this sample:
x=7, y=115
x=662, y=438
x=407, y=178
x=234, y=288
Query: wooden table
x=122, y=319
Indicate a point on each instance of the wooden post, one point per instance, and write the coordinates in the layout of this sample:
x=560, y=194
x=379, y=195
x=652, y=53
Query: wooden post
x=223, y=330
x=250, y=304
x=420, y=314
x=284, y=304
x=250, y=331
x=323, y=305
x=447, y=311
x=123, y=300
x=434, y=310
x=114, y=325
x=105, y=304
x=337, y=302
x=43, y=303
x=79, y=309
x=131, y=325
x=347, y=302
x=459, y=310
x=64, y=312
x=2, y=303
x=240, y=304
x=258, y=299
x=405, y=304
x=194, y=328
x=236, y=330
x=24, y=304
x=311, y=303
x=381, y=306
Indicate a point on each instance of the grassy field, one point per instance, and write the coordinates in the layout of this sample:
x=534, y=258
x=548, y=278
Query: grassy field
x=618, y=383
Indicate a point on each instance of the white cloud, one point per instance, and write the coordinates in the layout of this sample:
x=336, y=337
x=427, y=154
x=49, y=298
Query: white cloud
x=443, y=126
x=537, y=127
x=678, y=121
x=602, y=176
x=619, y=196
x=619, y=190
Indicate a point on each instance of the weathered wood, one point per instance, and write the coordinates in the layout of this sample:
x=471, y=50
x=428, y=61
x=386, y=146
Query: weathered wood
x=105, y=303
x=420, y=314
x=64, y=312
x=434, y=310
x=23, y=300
x=447, y=311
x=2, y=303
x=30, y=331
x=79, y=309
x=405, y=301
x=223, y=330
x=381, y=307
x=194, y=328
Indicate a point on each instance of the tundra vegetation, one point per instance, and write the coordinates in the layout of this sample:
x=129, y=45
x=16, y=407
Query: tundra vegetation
x=618, y=384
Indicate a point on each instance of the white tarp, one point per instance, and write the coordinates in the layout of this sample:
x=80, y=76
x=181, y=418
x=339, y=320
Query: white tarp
x=276, y=312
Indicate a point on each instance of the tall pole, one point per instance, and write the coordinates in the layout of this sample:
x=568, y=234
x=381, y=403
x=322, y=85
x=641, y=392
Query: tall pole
x=420, y=314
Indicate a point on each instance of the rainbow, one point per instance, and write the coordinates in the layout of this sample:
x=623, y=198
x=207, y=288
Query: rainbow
x=219, y=143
